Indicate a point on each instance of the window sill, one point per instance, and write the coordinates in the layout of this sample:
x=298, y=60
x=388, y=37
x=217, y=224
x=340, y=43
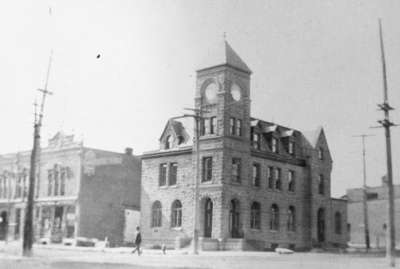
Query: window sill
x=255, y=230
x=176, y=228
x=168, y=187
x=237, y=183
x=208, y=136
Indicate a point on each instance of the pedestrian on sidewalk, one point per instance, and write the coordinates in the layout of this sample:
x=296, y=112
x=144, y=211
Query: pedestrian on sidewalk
x=138, y=241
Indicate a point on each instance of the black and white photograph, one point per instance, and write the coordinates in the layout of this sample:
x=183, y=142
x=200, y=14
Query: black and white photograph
x=199, y=134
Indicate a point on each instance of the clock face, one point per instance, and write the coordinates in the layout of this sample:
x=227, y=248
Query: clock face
x=236, y=92
x=211, y=92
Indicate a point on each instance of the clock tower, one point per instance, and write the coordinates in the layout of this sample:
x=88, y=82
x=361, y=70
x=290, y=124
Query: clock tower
x=223, y=92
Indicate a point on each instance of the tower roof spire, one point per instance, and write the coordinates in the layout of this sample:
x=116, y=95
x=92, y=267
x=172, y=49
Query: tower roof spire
x=223, y=54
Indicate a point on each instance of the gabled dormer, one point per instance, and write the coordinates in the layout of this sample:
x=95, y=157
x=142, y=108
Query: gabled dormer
x=317, y=146
x=288, y=140
x=177, y=133
x=272, y=136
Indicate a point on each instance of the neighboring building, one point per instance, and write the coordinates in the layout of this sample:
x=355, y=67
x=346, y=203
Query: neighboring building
x=377, y=204
x=262, y=185
x=81, y=192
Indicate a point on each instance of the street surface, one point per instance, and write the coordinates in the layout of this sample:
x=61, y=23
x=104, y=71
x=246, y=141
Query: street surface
x=120, y=258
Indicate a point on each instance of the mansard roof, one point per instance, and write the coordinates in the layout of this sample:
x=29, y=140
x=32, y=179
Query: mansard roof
x=311, y=137
x=270, y=127
x=223, y=54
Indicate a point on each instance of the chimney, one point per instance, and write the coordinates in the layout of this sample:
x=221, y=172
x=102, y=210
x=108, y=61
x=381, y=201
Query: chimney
x=129, y=151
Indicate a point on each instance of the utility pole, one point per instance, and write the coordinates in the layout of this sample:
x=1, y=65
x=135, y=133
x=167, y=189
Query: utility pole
x=198, y=119
x=28, y=224
x=365, y=205
x=386, y=123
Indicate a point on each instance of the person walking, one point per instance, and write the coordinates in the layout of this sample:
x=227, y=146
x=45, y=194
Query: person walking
x=138, y=241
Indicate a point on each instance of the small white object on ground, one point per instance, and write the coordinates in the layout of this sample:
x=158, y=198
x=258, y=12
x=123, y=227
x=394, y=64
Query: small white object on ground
x=284, y=251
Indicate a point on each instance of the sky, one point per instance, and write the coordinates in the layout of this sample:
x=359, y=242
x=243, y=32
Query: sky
x=314, y=63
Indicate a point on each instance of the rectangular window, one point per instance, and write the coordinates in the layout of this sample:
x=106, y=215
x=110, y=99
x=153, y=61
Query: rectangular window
x=256, y=174
x=163, y=175
x=207, y=169
x=321, y=185
x=278, y=182
x=56, y=181
x=274, y=144
x=255, y=140
x=291, y=181
x=270, y=177
x=232, y=124
x=50, y=182
x=63, y=176
x=239, y=127
x=291, y=148
x=207, y=127
x=18, y=187
x=236, y=168
x=213, y=125
x=173, y=171
x=372, y=195
x=320, y=153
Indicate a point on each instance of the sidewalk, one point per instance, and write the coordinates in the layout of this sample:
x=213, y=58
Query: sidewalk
x=56, y=254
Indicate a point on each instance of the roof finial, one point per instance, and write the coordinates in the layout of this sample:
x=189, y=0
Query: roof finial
x=224, y=34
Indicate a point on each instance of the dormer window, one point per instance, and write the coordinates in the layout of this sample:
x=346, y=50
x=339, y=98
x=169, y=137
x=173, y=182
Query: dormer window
x=255, y=140
x=274, y=144
x=320, y=153
x=291, y=147
x=181, y=139
x=168, y=142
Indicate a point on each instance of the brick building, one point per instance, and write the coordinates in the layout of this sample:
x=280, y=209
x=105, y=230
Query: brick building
x=262, y=184
x=79, y=192
x=377, y=204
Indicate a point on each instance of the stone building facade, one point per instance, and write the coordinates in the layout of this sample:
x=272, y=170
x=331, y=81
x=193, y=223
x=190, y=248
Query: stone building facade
x=79, y=192
x=262, y=185
x=377, y=204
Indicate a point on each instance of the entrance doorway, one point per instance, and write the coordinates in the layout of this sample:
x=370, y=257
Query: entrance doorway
x=234, y=219
x=321, y=225
x=208, y=212
x=3, y=225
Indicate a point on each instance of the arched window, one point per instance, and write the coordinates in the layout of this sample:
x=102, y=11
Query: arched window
x=338, y=223
x=291, y=221
x=176, y=215
x=156, y=214
x=168, y=142
x=255, y=216
x=274, y=222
